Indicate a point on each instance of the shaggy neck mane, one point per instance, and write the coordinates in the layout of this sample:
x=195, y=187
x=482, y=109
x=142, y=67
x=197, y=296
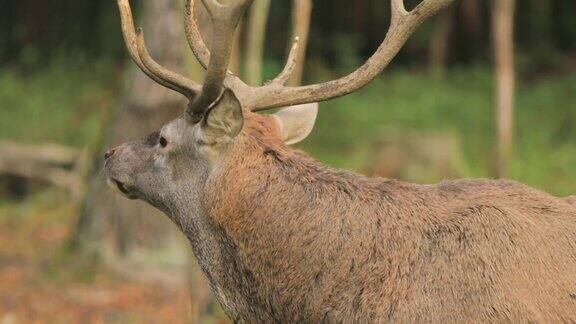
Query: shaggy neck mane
x=287, y=215
x=261, y=170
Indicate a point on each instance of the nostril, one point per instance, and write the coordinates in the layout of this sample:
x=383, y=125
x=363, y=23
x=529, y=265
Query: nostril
x=108, y=154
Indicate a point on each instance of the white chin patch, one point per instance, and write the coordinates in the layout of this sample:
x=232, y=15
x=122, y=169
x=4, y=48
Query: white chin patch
x=120, y=188
x=113, y=186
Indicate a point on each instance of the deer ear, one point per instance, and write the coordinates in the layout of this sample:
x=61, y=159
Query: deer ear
x=296, y=122
x=224, y=118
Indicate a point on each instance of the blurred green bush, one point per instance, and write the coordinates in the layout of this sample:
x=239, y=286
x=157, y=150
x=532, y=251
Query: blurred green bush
x=65, y=101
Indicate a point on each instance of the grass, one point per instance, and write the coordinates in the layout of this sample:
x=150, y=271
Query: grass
x=67, y=102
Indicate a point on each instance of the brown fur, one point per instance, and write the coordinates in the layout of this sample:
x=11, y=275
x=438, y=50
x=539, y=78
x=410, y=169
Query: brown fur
x=571, y=200
x=326, y=245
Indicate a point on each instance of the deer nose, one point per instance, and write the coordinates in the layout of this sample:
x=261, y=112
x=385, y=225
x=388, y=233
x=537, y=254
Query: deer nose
x=108, y=154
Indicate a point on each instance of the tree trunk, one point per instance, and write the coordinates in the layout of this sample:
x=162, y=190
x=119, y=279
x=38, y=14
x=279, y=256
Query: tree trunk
x=255, y=41
x=440, y=42
x=503, y=37
x=471, y=12
x=469, y=32
x=541, y=35
x=132, y=236
x=110, y=224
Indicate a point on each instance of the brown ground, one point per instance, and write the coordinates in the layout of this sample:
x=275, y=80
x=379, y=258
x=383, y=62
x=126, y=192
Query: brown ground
x=40, y=284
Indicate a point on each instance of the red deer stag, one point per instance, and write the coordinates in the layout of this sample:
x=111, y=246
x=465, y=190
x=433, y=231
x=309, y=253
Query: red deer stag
x=283, y=238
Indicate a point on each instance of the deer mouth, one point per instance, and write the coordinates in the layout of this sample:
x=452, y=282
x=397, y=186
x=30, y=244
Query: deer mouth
x=124, y=189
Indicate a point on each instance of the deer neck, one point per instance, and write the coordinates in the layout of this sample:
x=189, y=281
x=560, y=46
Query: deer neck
x=269, y=222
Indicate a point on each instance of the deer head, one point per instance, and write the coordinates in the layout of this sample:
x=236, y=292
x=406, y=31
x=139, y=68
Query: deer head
x=194, y=145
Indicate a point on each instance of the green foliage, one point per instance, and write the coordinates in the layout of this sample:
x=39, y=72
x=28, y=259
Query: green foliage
x=460, y=104
x=63, y=102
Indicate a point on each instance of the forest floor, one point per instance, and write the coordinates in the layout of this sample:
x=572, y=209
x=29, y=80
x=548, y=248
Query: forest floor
x=39, y=283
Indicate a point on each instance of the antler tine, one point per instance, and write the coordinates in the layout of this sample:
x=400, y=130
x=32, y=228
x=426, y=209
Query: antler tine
x=201, y=51
x=397, y=9
x=181, y=84
x=193, y=35
x=127, y=25
x=402, y=25
x=292, y=72
x=225, y=20
x=291, y=63
x=301, y=17
x=135, y=44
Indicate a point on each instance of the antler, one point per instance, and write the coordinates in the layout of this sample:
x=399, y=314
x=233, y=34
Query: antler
x=403, y=23
x=139, y=54
x=243, y=90
x=225, y=19
x=276, y=94
x=201, y=51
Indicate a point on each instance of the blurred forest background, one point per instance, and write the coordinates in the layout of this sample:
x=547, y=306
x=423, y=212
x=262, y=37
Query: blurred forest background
x=70, y=251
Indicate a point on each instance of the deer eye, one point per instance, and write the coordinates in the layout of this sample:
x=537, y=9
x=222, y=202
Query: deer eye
x=163, y=142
